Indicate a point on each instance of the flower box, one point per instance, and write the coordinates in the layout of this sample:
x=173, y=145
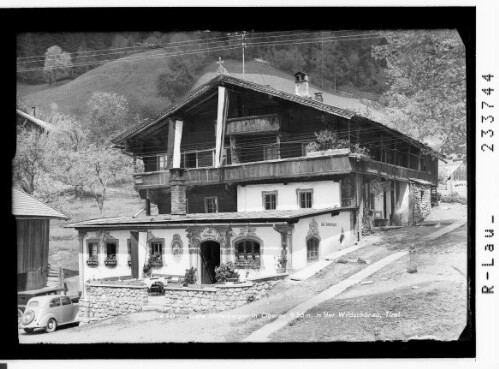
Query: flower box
x=156, y=263
x=247, y=264
x=328, y=152
x=92, y=262
x=110, y=262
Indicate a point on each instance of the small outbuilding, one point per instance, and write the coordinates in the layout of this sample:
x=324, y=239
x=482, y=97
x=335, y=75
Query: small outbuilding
x=33, y=229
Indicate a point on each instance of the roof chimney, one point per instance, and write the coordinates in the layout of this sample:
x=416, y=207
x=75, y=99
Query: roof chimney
x=178, y=195
x=318, y=96
x=301, y=84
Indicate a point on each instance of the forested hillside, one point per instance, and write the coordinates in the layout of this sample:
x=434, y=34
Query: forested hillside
x=415, y=78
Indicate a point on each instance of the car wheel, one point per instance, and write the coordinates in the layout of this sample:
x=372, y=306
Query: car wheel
x=29, y=330
x=51, y=325
x=19, y=316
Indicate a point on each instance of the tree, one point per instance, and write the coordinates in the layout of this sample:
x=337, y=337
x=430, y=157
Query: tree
x=57, y=63
x=66, y=160
x=29, y=161
x=108, y=113
x=105, y=166
x=427, y=93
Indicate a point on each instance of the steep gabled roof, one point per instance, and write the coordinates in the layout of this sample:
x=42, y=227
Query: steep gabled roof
x=226, y=80
x=24, y=205
x=448, y=169
x=231, y=81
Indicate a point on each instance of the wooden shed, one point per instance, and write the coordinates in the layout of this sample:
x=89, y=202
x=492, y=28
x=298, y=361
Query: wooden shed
x=33, y=225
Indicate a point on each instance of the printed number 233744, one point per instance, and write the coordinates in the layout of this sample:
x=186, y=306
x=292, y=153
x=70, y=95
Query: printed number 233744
x=487, y=132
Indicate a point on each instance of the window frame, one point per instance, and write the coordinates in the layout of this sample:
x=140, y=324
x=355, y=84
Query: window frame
x=56, y=305
x=107, y=260
x=151, y=252
x=309, y=252
x=269, y=193
x=248, y=256
x=206, y=207
x=129, y=250
x=301, y=191
x=160, y=241
x=93, y=241
x=164, y=158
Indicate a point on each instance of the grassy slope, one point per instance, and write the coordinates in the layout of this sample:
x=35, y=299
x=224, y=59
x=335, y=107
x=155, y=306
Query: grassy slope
x=134, y=79
x=64, y=241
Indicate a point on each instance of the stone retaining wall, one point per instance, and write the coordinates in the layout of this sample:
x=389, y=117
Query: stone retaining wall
x=218, y=297
x=107, y=300
x=422, y=202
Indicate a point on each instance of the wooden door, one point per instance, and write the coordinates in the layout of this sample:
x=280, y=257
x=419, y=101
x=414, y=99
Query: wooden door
x=134, y=249
x=210, y=259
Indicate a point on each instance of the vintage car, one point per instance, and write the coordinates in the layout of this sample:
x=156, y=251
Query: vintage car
x=48, y=312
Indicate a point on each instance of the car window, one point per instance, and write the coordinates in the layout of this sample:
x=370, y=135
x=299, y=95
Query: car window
x=33, y=304
x=66, y=300
x=55, y=302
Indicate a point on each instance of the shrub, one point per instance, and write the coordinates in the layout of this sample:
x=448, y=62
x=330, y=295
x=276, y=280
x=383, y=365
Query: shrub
x=361, y=150
x=191, y=276
x=225, y=271
x=327, y=140
x=453, y=197
x=412, y=269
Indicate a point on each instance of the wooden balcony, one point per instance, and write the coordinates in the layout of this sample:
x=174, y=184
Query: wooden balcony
x=302, y=168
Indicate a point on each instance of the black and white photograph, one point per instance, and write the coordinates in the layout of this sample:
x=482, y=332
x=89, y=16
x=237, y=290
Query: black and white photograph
x=242, y=185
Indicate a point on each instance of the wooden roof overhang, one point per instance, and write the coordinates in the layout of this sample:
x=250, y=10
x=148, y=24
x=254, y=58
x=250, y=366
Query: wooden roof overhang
x=206, y=91
x=261, y=218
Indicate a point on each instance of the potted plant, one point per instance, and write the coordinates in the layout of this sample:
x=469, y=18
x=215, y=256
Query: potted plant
x=190, y=276
x=281, y=264
x=93, y=260
x=147, y=269
x=110, y=260
x=327, y=143
x=156, y=260
x=253, y=266
x=360, y=151
x=226, y=273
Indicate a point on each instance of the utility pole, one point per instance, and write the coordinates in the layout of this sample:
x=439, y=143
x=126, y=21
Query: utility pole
x=243, y=47
x=322, y=60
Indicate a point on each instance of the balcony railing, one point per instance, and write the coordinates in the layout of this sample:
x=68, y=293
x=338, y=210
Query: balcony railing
x=282, y=169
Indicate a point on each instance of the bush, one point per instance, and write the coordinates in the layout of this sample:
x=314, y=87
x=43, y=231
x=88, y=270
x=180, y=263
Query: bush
x=190, y=276
x=454, y=197
x=327, y=140
x=225, y=271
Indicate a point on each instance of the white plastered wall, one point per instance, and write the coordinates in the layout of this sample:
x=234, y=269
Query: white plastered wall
x=325, y=194
x=330, y=230
x=175, y=265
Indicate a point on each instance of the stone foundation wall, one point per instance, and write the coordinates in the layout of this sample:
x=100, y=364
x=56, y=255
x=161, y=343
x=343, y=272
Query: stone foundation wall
x=421, y=202
x=105, y=301
x=218, y=297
